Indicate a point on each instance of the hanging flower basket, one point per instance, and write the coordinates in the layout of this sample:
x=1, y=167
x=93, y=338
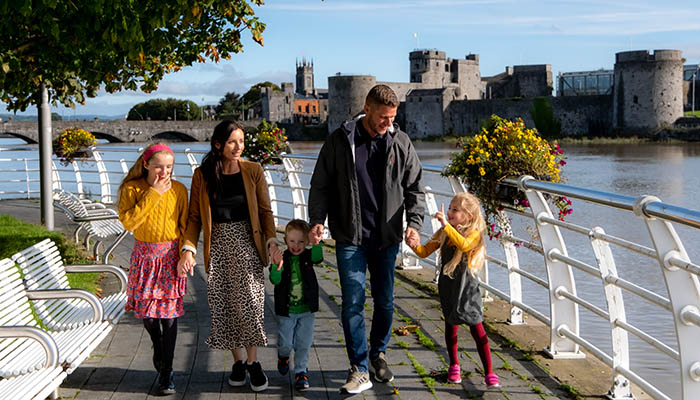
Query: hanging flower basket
x=265, y=143
x=506, y=149
x=73, y=143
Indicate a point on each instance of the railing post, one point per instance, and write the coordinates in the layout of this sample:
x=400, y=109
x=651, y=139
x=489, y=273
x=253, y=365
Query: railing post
x=105, y=189
x=683, y=292
x=616, y=310
x=296, y=188
x=514, y=281
x=56, y=178
x=191, y=159
x=26, y=174
x=431, y=205
x=563, y=313
x=78, y=179
x=273, y=195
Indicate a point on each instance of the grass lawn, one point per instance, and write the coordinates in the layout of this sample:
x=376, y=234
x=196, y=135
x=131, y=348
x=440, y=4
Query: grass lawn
x=690, y=113
x=16, y=235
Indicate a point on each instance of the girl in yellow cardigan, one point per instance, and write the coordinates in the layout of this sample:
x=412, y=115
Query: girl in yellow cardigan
x=462, y=254
x=154, y=208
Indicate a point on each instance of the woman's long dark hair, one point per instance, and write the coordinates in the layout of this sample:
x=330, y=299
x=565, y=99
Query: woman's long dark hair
x=212, y=162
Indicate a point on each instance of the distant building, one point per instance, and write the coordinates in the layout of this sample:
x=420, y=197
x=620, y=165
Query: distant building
x=691, y=71
x=585, y=83
x=305, y=105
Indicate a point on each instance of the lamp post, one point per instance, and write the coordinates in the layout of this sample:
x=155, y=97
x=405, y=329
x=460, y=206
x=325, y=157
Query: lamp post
x=695, y=76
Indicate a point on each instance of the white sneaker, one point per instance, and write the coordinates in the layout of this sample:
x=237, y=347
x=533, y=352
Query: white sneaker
x=357, y=381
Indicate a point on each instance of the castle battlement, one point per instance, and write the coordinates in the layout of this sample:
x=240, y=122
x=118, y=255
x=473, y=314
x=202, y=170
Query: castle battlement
x=646, y=56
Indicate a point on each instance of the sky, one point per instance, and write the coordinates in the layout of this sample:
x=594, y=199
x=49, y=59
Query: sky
x=375, y=36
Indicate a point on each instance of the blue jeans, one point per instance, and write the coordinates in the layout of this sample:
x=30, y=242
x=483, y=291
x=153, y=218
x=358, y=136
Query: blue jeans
x=296, y=332
x=353, y=263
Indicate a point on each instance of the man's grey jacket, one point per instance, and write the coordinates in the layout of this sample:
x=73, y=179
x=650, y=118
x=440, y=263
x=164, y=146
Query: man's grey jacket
x=334, y=188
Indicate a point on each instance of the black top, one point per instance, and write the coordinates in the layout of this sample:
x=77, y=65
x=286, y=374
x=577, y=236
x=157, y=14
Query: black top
x=232, y=205
x=370, y=158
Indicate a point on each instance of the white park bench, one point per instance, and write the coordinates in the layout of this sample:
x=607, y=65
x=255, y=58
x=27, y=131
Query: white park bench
x=95, y=218
x=43, y=269
x=37, y=384
x=22, y=356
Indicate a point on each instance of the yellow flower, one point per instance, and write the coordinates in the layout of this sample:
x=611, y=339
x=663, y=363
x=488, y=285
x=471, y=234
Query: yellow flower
x=481, y=171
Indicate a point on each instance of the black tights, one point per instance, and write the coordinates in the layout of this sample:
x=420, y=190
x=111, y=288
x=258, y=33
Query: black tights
x=163, y=340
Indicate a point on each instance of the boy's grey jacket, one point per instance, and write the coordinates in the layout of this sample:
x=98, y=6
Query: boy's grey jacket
x=334, y=191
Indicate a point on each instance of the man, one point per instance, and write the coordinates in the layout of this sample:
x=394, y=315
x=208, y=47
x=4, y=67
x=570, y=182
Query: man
x=366, y=175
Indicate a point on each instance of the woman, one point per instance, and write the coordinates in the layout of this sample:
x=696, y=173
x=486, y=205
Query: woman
x=229, y=201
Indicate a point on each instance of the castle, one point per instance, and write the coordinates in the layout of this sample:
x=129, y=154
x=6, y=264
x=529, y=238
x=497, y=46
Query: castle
x=449, y=96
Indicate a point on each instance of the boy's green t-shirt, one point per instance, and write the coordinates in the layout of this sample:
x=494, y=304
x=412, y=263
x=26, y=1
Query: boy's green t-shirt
x=297, y=303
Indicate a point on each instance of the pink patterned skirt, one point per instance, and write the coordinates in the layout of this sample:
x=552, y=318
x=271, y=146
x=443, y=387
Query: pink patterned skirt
x=154, y=289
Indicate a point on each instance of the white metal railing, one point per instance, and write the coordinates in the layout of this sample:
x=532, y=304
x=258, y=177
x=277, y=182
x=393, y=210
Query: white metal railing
x=288, y=188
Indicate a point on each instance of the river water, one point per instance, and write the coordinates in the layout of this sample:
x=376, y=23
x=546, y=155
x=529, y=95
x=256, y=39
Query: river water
x=669, y=171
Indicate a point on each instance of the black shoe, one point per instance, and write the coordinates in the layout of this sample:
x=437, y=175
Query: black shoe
x=382, y=373
x=283, y=365
x=258, y=379
x=166, y=386
x=238, y=374
x=302, y=381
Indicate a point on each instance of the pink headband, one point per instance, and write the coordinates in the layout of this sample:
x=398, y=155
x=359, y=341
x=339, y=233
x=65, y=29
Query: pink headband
x=154, y=149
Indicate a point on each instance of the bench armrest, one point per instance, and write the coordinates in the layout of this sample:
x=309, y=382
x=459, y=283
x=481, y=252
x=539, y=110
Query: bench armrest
x=41, y=336
x=120, y=274
x=99, y=312
x=95, y=217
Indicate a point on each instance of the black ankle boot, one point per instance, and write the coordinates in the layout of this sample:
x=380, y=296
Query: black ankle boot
x=166, y=386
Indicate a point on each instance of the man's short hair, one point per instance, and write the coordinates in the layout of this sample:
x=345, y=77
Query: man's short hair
x=382, y=95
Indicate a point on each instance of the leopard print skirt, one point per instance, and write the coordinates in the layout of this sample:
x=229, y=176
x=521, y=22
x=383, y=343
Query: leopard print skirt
x=235, y=288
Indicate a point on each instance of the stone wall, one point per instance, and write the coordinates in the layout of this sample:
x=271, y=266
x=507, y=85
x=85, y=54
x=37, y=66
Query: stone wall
x=577, y=115
x=425, y=117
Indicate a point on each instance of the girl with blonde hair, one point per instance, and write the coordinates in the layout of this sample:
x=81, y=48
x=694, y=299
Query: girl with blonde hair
x=463, y=251
x=154, y=208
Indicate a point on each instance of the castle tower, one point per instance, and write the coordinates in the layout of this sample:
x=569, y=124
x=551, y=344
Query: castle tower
x=428, y=67
x=346, y=97
x=305, y=77
x=648, y=89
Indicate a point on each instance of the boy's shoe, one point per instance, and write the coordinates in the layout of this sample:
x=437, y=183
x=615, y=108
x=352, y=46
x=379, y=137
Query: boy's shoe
x=258, y=379
x=238, y=374
x=283, y=365
x=166, y=386
x=491, y=380
x=454, y=374
x=357, y=381
x=382, y=373
x=302, y=381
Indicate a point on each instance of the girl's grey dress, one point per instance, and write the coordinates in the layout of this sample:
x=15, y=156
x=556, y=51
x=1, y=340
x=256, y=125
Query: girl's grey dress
x=460, y=296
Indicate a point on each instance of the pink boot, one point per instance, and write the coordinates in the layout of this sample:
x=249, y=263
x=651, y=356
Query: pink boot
x=454, y=374
x=491, y=380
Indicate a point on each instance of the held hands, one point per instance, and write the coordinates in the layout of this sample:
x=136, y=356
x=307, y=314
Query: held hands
x=162, y=185
x=186, y=264
x=440, y=216
x=276, y=256
x=316, y=234
x=412, y=238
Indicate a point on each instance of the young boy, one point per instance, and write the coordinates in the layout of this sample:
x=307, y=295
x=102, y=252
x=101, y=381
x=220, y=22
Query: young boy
x=296, y=299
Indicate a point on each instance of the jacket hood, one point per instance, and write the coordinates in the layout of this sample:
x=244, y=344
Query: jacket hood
x=349, y=126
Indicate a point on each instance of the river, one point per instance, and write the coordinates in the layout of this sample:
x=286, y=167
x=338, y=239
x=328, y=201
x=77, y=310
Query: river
x=669, y=171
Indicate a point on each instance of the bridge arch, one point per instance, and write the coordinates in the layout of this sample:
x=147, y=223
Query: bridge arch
x=174, y=136
x=21, y=136
x=107, y=136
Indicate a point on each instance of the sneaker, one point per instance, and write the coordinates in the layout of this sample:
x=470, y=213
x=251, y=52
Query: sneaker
x=258, y=379
x=491, y=380
x=302, y=381
x=283, y=365
x=357, y=381
x=166, y=386
x=238, y=374
x=454, y=374
x=382, y=373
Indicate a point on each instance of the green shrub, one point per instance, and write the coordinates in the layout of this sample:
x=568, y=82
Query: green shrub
x=543, y=116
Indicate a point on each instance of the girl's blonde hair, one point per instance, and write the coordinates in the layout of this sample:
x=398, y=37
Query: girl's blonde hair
x=138, y=171
x=476, y=256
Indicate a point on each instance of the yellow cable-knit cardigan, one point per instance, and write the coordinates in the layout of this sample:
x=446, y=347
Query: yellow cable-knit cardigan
x=259, y=209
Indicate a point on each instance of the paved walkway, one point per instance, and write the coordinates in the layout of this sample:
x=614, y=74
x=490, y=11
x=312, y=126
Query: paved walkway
x=121, y=368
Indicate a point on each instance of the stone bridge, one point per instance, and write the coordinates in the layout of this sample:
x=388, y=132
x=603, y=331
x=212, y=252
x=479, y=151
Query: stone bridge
x=121, y=131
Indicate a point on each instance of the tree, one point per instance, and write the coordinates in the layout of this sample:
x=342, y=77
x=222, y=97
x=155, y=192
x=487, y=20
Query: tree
x=253, y=94
x=161, y=110
x=61, y=51
x=230, y=106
